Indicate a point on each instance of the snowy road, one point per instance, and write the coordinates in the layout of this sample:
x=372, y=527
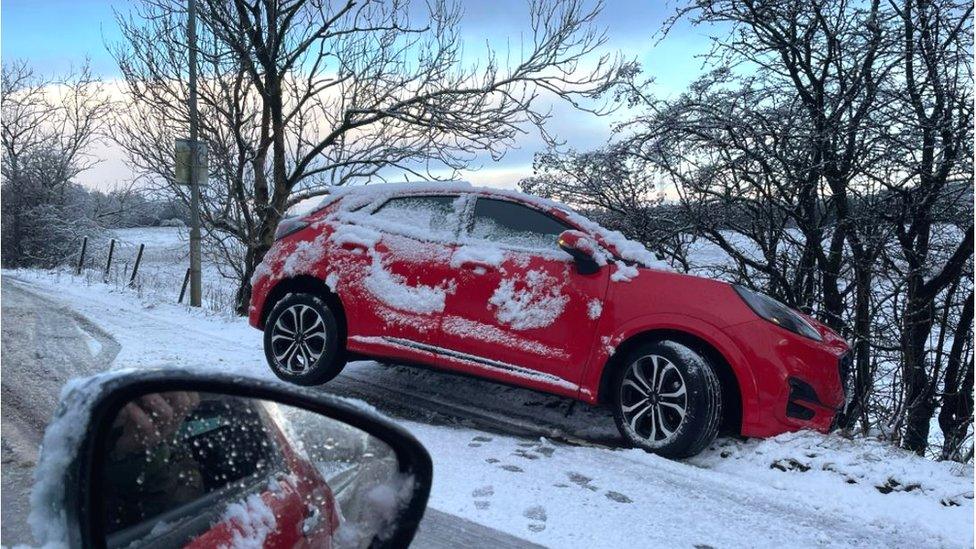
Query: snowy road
x=44, y=345
x=531, y=465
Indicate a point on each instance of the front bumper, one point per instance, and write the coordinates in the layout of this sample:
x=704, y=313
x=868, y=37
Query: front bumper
x=803, y=400
x=800, y=383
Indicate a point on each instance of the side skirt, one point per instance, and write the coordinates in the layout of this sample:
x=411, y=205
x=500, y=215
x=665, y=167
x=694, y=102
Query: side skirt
x=471, y=360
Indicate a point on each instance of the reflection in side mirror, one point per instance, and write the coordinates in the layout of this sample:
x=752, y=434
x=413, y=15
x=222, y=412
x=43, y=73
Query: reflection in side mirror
x=199, y=469
x=175, y=458
x=584, y=250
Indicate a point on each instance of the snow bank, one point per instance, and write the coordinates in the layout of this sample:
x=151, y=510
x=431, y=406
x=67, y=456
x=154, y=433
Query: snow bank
x=872, y=481
x=565, y=496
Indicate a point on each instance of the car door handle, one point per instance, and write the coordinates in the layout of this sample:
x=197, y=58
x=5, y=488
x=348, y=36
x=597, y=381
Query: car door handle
x=477, y=267
x=354, y=247
x=312, y=520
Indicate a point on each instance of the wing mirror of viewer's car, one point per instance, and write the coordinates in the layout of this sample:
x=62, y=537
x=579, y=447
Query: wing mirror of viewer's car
x=584, y=250
x=182, y=459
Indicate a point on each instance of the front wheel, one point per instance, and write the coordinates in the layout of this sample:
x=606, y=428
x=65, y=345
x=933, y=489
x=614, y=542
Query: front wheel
x=301, y=340
x=667, y=400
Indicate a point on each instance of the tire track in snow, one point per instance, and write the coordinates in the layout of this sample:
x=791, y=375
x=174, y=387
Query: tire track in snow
x=414, y=404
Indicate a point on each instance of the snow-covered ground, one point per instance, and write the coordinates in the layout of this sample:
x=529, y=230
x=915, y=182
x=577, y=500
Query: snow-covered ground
x=799, y=489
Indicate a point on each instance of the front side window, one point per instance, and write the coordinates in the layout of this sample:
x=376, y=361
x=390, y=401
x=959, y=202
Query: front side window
x=424, y=215
x=513, y=224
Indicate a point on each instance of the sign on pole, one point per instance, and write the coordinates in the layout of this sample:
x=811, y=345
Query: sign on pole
x=184, y=158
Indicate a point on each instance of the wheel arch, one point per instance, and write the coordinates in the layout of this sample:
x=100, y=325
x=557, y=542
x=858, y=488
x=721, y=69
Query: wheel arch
x=734, y=391
x=306, y=284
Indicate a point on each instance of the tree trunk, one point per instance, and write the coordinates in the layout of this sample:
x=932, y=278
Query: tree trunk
x=919, y=394
x=957, y=399
x=862, y=378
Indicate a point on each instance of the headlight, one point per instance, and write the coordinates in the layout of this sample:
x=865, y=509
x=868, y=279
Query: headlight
x=288, y=226
x=777, y=313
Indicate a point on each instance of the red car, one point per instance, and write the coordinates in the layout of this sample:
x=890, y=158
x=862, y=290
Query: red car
x=524, y=291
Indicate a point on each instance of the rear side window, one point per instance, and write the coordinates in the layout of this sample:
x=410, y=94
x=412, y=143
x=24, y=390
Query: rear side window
x=433, y=215
x=514, y=224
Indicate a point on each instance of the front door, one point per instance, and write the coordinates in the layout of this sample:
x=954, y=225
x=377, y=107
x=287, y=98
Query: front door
x=521, y=307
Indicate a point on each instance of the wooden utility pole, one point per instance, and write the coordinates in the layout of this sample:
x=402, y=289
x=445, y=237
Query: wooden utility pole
x=196, y=290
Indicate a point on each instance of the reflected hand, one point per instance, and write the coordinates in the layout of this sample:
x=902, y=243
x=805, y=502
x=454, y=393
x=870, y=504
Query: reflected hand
x=152, y=419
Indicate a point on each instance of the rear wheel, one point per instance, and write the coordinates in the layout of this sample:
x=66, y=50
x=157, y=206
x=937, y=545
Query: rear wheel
x=667, y=400
x=301, y=340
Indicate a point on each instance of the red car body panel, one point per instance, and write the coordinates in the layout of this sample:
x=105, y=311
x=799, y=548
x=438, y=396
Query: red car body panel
x=568, y=356
x=299, y=487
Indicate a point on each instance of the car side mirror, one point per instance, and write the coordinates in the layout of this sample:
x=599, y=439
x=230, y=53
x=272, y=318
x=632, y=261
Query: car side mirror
x=585, y=251
x=184, y=459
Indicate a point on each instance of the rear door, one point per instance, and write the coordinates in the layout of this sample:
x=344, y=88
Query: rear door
x=406, y=276
x=521, y=308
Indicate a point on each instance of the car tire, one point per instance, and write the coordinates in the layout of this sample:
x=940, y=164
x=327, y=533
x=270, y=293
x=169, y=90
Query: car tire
x=301, y=340
x=676, y=416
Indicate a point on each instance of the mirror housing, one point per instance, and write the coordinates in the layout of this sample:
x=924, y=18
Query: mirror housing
x=585, y=251
x=65, y=501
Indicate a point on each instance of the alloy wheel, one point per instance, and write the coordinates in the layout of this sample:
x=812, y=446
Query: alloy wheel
x=298, y=338
x=654, y=398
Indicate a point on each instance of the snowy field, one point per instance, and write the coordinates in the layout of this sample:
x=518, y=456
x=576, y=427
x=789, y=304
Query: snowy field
x=802, y=489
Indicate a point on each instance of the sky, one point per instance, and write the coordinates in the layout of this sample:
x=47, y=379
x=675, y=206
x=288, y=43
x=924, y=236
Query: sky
x=56, y=35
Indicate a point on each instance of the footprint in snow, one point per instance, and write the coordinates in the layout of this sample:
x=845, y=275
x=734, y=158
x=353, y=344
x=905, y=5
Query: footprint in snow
x=582, y=481
x=483, y=492
x=512, y=468
x=537, y=517
x=523, y=454
x=618, y=497
x=491, y=460
x=477, y=441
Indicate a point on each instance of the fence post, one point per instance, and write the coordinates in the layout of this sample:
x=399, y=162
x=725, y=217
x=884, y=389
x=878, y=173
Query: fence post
x=186, y=280
x=135, y=268
x=111, y=252
x=81, y=258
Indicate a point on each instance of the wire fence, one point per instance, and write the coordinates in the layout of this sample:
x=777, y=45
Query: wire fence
x=151, y=263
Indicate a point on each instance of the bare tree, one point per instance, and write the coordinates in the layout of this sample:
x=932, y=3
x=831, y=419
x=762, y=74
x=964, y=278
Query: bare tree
x=48, y=127
x=930, y=135
x=301, y=95
x=613, y=187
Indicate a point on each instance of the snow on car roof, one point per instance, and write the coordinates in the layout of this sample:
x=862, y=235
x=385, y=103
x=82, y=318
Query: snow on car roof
x=629, y=250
